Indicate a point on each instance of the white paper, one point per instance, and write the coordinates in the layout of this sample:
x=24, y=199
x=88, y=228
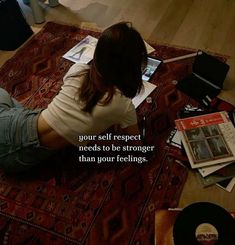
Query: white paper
x=83, y=52
x=229, y=187
x=147, y=88
x=149, y=48
x=176, y=140
x=211, y=169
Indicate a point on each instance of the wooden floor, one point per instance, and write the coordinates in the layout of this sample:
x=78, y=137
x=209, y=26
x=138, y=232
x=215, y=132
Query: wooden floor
x=200, y=24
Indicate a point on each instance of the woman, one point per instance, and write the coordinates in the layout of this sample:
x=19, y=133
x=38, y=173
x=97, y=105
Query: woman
x=92, y=99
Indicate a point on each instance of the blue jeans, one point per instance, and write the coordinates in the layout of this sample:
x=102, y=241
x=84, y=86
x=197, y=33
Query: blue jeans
x=20, y=149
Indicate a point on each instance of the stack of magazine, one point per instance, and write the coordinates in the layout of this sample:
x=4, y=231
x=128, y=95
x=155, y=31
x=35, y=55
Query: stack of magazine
x=209, y=142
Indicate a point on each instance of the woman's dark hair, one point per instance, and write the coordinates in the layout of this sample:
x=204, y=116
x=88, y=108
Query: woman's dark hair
x=119, y=58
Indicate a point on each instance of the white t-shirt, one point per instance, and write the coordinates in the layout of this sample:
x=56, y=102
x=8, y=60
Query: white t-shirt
x=65, y=116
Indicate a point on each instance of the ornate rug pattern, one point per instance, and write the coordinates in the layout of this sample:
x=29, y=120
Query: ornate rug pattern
x=71, y=203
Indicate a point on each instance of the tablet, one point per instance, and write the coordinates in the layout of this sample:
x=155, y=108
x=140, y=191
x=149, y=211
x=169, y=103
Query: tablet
x=152, y=65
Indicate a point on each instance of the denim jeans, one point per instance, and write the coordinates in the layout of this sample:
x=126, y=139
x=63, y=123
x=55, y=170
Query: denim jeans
x=20, y=149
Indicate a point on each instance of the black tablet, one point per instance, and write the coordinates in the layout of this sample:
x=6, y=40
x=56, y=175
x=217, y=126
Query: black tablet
x=152, y=65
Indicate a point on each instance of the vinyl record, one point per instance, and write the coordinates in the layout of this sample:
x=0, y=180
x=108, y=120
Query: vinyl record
x=204, y=223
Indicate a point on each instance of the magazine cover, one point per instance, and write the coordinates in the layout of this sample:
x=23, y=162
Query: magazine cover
x=83, y=52
x=208, y=139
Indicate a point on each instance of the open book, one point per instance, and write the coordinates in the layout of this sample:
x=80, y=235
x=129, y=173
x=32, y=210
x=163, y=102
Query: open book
x=208, y=139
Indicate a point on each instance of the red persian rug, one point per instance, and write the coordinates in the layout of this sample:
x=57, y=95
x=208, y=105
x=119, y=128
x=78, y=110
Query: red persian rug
x=73, y=203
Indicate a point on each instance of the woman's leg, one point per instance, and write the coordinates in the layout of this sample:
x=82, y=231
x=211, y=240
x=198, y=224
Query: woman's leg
x=20, y=149
x=7, y=101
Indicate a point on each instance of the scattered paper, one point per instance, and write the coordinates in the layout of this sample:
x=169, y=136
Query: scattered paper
x=211, y=169
x=174, y=139
x=227, y=184
x=149, y=48
x=83, y=52
x=147, y=88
